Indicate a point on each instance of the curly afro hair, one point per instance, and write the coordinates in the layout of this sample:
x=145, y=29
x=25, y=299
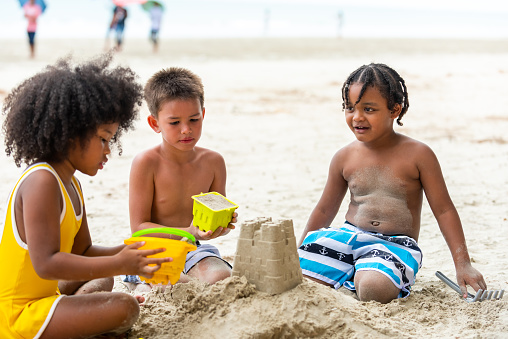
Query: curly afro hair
x=67, y=102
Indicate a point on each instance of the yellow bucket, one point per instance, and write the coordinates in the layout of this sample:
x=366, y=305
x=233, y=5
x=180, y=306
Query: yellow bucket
x=207, y=218
x=176, y=249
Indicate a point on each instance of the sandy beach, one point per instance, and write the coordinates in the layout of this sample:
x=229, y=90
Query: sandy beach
x=273, y=110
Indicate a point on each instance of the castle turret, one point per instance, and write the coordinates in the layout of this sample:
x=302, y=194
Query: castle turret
x=267, y=256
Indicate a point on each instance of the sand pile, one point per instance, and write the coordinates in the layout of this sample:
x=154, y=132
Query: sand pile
x=234, y=308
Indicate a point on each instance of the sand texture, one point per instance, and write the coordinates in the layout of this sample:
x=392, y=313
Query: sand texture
x=273, y=110
x=214, y=202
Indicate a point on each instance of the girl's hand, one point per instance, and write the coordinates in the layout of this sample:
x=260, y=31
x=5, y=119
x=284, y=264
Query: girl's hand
x=134, y=261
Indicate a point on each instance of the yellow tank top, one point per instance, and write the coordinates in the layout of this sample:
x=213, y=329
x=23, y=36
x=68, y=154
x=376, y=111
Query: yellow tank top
x=21, y=288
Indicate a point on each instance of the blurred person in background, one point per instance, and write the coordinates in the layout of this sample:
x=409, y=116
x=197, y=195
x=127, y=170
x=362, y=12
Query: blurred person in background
x=117, y=25
x=32, y=12
x=155, y=17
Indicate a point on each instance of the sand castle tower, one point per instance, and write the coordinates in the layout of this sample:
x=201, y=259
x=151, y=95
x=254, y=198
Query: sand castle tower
x=266, y=255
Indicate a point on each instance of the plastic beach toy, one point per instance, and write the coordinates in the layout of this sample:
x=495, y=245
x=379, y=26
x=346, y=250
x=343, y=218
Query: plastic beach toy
x=176, y=249
x=480, y=294
x=212, y=210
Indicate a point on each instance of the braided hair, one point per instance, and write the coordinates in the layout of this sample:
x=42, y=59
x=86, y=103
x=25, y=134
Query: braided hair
x=65, y=102
x=389, y=83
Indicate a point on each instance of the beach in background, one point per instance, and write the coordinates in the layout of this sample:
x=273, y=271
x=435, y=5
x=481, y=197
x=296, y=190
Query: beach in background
x=458, y=19
x=273, y=110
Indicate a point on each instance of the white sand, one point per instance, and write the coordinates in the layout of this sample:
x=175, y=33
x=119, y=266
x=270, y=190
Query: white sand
x=273, y=111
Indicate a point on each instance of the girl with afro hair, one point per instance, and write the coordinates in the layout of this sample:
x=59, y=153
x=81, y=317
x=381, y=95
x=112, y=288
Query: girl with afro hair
x=62, y=120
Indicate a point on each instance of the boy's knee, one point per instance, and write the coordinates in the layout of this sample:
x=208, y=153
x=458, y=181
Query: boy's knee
x=217, y=275
x=211, y=276
x=210, y=270
x=375, y=286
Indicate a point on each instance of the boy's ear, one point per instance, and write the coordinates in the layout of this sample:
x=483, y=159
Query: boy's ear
x=397, y=108
x=203, y=113
x=154, y=124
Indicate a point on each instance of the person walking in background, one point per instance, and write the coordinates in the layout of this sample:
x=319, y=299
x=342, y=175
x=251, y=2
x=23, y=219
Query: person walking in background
x=121, y=15
x=111, y=28
x=117, y=25
x=32, y=12
x=155, y=17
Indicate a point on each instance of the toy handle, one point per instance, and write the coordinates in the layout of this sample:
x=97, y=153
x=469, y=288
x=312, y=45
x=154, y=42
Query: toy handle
x=167, y=230
x=451, y=283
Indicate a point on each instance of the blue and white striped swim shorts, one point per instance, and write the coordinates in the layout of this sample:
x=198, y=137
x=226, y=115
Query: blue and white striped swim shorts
x=333, y=255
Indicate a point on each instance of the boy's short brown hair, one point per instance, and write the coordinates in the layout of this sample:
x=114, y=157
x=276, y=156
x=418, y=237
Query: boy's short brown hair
x=172, y=84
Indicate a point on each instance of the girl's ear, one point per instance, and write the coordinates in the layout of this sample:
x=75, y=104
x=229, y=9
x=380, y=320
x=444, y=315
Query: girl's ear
x=397, y=108
x=154, y=124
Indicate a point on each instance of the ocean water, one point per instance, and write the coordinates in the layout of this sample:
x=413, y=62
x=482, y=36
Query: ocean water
x=278, y=18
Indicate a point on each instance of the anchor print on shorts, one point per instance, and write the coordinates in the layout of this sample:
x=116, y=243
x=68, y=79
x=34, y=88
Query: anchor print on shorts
x=328, y=252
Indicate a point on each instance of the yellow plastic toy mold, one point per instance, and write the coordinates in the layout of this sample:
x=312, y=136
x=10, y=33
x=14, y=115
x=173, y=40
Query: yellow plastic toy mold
x=176, y=249
x=209, y=216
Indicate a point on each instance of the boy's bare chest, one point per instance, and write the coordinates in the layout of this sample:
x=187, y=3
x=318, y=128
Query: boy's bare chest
x=175, y=186
x=394, y=177
x=384, y=199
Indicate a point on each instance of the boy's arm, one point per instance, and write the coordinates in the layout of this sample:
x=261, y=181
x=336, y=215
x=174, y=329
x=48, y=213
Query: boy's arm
x=448, y=220
x=141, y=190
x=220, y=175
x=218, y=166
x=331, y=198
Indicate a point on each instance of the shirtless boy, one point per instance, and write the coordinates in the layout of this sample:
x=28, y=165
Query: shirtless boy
x=163, y=178
x=376, y=252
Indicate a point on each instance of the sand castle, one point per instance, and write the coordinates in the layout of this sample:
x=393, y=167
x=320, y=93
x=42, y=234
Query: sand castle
x=267, y=256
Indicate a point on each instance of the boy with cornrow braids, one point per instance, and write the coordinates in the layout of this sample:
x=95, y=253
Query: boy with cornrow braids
x=375, y=252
